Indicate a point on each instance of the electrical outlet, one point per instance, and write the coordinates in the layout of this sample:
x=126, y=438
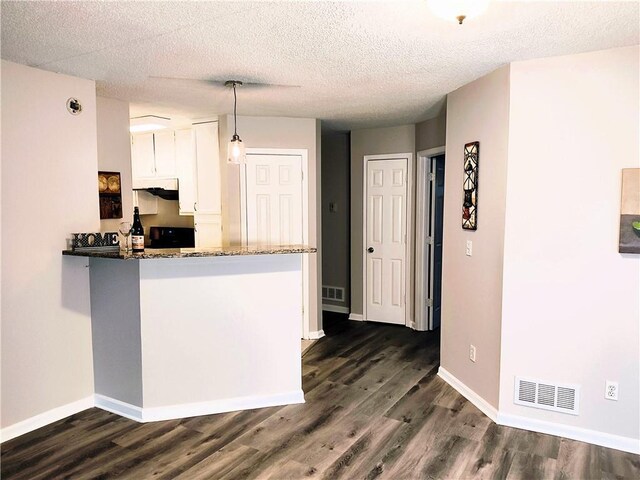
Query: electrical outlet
x=469, y=250
x=472, y=353
x=611, y=390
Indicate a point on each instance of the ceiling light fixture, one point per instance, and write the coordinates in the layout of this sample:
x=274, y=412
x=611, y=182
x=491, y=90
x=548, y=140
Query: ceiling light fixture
x=236, y=147
x=148, y=123
x=459, y=10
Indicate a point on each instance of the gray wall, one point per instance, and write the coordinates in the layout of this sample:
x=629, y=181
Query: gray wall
x=432, y=133
x=472, y=286
x=566, y=287
x=373, y=141
x=335, y=225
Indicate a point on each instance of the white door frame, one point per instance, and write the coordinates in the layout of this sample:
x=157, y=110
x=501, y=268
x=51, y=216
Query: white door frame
x=423, y=190
x=408, y=310
x=298, y=152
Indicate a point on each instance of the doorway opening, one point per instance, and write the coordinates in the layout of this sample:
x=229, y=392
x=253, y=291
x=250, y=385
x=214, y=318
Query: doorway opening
x=429, y=236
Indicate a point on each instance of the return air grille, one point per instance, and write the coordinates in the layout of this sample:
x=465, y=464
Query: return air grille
x=548, y=396
x=335, y=294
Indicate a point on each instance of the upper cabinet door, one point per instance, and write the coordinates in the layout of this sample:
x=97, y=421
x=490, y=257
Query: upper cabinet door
x=186, y=169
x=142, y=156
x=207, y=154
x=165, y=153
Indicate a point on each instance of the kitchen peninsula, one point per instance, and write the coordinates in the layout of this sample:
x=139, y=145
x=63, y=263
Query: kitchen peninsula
x=185, y=332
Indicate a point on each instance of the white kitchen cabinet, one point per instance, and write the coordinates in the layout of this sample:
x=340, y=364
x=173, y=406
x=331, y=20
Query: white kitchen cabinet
x=186, y=170
x=165, y=153
x=208, y=230
x=208, y=168
x=153, y=155
x=142, y=156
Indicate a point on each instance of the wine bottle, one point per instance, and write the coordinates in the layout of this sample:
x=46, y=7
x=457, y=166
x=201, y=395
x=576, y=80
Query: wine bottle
x=137, y=232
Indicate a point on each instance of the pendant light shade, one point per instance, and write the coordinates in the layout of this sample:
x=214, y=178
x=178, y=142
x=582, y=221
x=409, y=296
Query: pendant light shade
x=236, y=153
x=236, y=150
x=458, y=10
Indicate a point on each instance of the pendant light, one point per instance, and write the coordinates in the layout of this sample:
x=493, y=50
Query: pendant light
x=458, y=10
x=236, y=151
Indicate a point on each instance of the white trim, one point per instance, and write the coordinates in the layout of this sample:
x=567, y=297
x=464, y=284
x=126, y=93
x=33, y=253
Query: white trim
x=423, y=190
x=172, y=412
x=357, y=317
x=432, y=152
x=626, y=444
x=304, y=154
x=408, y=297
x=315, y=335
x=124, y=409
x=334, y=308
x=45, y=418
x=484, y=406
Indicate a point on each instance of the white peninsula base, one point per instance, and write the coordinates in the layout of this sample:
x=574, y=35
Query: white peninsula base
x=179, y=337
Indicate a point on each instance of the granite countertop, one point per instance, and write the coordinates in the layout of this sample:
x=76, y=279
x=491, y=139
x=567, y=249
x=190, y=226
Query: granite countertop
x=155, y=253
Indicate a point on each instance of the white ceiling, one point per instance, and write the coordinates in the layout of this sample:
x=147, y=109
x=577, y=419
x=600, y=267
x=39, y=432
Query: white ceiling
x=358, y=64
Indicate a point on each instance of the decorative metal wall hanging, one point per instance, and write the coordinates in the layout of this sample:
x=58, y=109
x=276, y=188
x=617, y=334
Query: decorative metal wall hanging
x=470, y=186
x=630, y=211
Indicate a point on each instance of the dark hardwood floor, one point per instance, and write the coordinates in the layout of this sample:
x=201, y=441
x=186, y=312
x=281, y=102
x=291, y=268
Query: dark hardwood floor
x=374, y=409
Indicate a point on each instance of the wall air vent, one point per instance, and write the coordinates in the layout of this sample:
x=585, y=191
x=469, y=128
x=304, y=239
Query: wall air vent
x=548, y=396
x=335, y=294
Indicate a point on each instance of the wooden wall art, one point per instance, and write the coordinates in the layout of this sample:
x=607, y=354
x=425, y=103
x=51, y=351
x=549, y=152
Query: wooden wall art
x=470, y=186
x=630, y=211
x=110, y=195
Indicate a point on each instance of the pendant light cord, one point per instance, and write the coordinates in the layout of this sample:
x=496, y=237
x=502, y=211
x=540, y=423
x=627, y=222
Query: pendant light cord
x=235, y=118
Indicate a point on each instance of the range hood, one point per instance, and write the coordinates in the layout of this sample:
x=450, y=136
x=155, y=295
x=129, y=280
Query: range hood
x=166, y=188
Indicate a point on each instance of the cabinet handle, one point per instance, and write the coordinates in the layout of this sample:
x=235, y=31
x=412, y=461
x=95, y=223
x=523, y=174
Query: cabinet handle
x=195, y=206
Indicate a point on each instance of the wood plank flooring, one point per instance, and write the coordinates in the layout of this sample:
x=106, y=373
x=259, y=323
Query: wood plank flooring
x=374, y=409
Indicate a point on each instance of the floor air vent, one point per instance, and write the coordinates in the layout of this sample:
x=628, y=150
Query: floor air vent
x=559, y=398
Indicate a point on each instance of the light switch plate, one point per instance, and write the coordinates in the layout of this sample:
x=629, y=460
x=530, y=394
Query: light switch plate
x=469, y=249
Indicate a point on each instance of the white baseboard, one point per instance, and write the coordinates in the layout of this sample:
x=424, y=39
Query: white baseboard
x=484, y=406
x=334, y=308
x=315, y=335
x=124, y=409
x=153, y=414
x=45, y=418
x=608, y=440
x=617, y=442
x=356, y=316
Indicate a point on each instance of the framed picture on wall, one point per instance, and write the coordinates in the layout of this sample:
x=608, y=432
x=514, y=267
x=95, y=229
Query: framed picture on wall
x=630, y=211
x=110, y=194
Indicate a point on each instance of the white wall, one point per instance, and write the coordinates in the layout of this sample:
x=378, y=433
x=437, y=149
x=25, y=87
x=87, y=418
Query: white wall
x=370, y=141
x=49, y=189
x=114, y=153
x=571, y=302
x=276, y=132
x=472, y=286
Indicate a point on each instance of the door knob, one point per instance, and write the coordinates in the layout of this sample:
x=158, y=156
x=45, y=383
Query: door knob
x=370, y=250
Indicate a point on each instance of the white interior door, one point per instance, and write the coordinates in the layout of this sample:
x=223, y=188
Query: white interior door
x=386, y=229
x=274, y=199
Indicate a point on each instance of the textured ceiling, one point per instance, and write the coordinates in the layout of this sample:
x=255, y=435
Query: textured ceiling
x=357, y=64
